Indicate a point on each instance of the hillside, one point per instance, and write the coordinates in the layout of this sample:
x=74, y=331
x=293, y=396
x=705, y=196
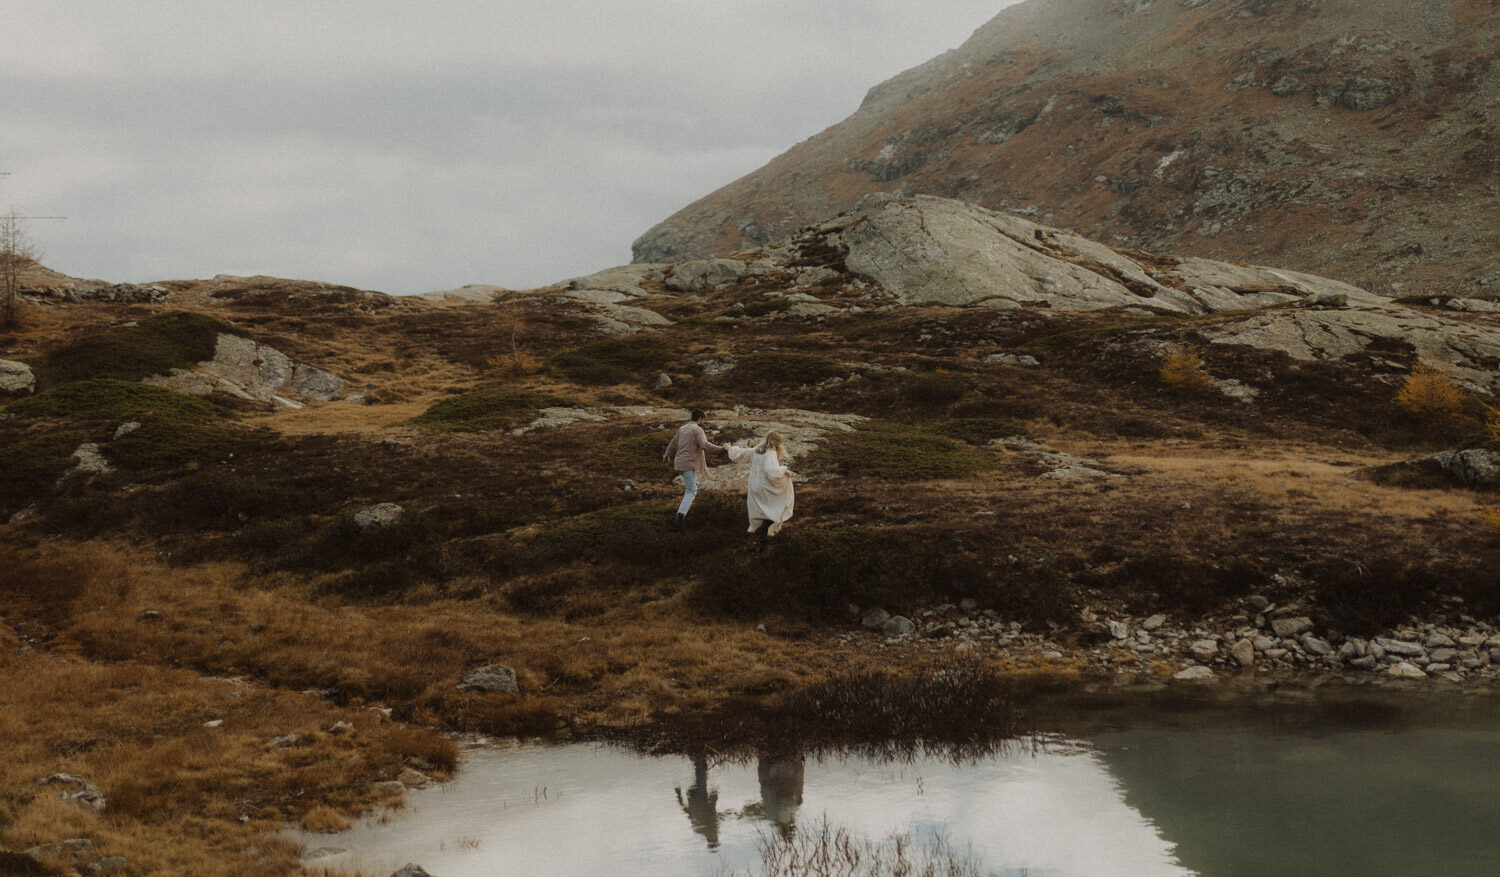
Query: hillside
x=1355, y=139
x=259, y=535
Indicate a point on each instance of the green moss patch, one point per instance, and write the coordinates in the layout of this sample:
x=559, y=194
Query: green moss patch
x=31, y=465
x=486, y=409
x=778, y=369
x=638, y=457
x=176, y=339
x=115, y=401
x=897, y=452
x=622, y=360
x=218, y=499
x=979, y=430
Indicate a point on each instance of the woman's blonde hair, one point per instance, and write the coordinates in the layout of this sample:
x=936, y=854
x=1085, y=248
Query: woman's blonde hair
x=771, y=441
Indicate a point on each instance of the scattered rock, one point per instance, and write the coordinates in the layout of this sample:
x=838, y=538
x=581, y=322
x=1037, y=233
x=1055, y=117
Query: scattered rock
x=663, y=381
x=410, y=870
x=1314, y=646
x=16, y=378
x=125, y=429
x=1194, y=674
x=79, y=790
x=1023, y=360
x=491, y=678
x=898, y=625
x=1154, y=622
x=1407, y=670
x=379, y=516
x=704, y=273
x=874, y=619
x=1204, y=649
x=1119, y=630
x=807, y=277
x=1399, y=647
x=1243, y=653
x=90, y=462
x=284, y=741
x=413, y=779
x=1290, y=627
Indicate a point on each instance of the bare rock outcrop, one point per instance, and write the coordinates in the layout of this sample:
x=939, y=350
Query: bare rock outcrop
x=247, y=370
x=941, y=251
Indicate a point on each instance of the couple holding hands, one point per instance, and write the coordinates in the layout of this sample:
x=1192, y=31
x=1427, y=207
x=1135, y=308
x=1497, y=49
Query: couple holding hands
x=769, y=494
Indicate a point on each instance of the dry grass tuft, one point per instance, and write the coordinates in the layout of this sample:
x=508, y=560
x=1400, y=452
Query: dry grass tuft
x=323, y=819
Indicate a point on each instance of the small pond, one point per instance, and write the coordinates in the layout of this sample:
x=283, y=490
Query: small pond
x=1288, y=787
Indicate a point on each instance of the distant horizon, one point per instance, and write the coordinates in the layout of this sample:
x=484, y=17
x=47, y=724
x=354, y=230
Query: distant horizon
x=410, y=151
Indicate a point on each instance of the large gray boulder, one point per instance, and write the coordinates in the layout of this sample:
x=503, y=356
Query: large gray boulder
x=1476, y=467
x=242, y=368
x=705, y=273
x=16, y=378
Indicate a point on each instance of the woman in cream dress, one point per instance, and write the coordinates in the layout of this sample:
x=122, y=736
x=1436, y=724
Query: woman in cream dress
x=769, y=497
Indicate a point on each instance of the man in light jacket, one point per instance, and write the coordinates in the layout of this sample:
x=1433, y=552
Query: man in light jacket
x=686, y=454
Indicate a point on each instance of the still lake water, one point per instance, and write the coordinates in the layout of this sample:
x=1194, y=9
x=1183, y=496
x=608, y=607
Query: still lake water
x=1277, y=789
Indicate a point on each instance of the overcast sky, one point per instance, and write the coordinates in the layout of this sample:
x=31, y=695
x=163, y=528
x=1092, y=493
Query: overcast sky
x=410, y=147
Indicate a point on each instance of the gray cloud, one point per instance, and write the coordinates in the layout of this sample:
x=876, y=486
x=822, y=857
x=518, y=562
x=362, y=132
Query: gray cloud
x=411, y=147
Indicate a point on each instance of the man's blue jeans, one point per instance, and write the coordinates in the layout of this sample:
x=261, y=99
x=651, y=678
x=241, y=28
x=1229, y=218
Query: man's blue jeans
x=689, y=490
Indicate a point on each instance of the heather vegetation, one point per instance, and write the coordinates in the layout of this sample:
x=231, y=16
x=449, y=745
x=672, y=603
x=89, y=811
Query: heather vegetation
x=1029, y=472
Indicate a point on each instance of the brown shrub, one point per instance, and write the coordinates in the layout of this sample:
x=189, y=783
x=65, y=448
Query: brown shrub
x=1184, y=369
x=1431, y=395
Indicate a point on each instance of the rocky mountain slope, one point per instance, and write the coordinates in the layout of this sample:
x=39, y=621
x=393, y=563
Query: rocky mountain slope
x=1356, y=139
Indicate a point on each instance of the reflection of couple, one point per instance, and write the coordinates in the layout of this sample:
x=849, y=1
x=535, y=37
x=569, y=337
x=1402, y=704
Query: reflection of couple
x=769, y=496
x=780, y=795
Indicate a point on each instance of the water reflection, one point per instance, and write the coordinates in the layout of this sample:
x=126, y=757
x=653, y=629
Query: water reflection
x=1177, y=802
x=780, y=781
x=781, y=793
x=701, y=804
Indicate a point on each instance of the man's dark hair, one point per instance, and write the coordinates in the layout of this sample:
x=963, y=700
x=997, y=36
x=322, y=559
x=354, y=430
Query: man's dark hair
x=697, y=415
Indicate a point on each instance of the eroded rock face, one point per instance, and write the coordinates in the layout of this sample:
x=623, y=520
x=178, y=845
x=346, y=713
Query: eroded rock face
x=248, y=370
x=927, y=250
x=1460, y=348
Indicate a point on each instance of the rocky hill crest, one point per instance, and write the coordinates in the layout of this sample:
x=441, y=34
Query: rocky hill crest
x=1356, y=140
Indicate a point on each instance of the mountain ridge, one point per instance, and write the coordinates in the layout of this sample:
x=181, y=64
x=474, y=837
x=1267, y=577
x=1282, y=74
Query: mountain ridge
x=1350, y=140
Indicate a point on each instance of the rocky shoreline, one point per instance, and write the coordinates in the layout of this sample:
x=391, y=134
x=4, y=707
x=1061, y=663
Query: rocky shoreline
x=1265, y=639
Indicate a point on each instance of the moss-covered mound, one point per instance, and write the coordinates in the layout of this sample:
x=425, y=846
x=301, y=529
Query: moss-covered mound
x=115, y=401
x=486, y=409
x=176, y=339
x=620, y=360
x=897, y=452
